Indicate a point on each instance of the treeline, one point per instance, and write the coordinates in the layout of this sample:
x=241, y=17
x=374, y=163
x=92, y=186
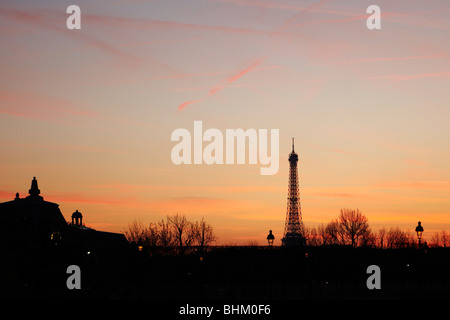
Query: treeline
x=175, y=234
x=352, y=228
x=440, y=239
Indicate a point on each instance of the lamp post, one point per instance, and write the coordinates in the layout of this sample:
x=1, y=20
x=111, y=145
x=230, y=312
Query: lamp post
x=419, y=230
x=270, y=238
x=140, y=246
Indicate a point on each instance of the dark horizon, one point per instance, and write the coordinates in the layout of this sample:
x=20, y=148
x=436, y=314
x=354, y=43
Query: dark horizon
x=37, y=253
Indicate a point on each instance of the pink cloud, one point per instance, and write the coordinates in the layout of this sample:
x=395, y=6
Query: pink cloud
x=224, y=83
x=58, y=147
x=407, y=58
x=335, y=150
x=301, y=12
x=79, y=198
x=51, y=109
x=125, y=22
x=252, y=67
x=72, y=197
x=422, y=185
x=420, y=18
x=206, y=88
x=400, y=77
x=184, y=104
x=189, y=75
x=188, y=203
x=41, y=107
x=55, y=20
x=7, y=195
x=235, y=77
x=278, y=5
x=125, y=188
x=338, y=195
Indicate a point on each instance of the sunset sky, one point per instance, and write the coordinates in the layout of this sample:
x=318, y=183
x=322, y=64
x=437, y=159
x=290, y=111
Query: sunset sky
x=90, y=112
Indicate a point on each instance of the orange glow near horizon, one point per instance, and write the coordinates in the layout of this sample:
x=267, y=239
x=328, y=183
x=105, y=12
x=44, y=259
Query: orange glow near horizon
x=90, y=112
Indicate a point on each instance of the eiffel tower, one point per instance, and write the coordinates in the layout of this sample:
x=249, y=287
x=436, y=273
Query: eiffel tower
x=293, y=230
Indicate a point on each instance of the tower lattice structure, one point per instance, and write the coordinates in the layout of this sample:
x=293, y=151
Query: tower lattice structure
x=294, y=233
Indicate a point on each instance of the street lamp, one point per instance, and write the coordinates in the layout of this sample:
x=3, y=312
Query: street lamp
x=419, y=230
x=140, y=246
x=270, y=238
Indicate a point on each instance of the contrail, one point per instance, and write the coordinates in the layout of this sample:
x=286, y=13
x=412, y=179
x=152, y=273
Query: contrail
x=241, y=73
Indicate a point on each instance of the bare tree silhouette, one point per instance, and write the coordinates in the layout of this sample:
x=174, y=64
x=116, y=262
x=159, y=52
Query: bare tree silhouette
x=202, y=233
x=396, y=238
x=181, y=225
x=174, y=231
x=353, y=225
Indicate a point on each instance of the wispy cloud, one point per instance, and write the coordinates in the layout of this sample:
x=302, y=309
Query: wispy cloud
x=206, y=88
x=195, y=75
x=7, y=195
x=138, y=23
x=288, y=23
x=41, y=107
x=420, y=185
x=274, y=4
x=351, y=18
x=156, y=204
x=338, y=195
x=393, y=78
x=59, y=147
x=427, y=19
x=418, y=18
x=259, y=61
x=52, y=109
x=335, y=150
x=127, y=188
x=234, y=77
x=54, y=20
x=188, y=75
x=366, y=60
x=185, y=104
x=223, y=84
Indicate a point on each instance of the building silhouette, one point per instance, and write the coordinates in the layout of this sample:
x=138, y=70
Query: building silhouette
x=77, y=218
x=293, y=229
x=32, y=222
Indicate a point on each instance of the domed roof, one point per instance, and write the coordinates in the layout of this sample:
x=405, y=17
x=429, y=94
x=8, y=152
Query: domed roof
x=77, y=214
x=34, y=190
